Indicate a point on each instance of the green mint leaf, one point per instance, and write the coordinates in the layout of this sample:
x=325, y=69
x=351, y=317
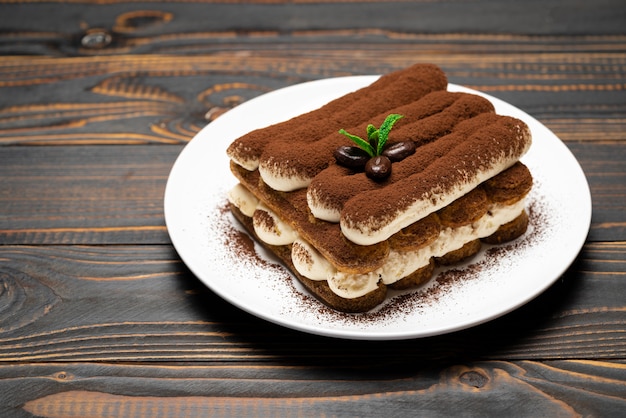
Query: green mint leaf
x=372, y=132
x=385, y=128
x=363, y=144
x=372, y=137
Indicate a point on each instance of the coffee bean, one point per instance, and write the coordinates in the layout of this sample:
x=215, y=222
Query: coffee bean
x=399, y=151
x=378, y=168
x=351, y=157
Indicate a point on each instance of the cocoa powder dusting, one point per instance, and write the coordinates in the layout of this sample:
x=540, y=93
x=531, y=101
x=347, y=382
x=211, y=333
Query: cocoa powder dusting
x=265, y=220
x=425, y=121
x=301, y=254
x=403, y=304
x=393, y=89
x=241, y=247
x=458, y=135
x=437, y=168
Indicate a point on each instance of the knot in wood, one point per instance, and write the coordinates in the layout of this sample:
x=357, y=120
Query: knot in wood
x=474, y=378
x=96, y=39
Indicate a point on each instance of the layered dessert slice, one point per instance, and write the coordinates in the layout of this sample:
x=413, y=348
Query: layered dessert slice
x=349, y=226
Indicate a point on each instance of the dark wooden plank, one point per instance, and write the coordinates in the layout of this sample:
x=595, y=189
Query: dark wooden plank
x=84, y=194
x=138, y=18
x=139, y=303
x=607, y=180
x=114, y=194
x=155, y=98
x=555, y=388
x=100, y=330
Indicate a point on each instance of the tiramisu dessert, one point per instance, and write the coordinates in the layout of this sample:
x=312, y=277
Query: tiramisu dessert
x=376, y=188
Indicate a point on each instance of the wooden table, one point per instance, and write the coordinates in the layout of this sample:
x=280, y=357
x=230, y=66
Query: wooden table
x=98, y=315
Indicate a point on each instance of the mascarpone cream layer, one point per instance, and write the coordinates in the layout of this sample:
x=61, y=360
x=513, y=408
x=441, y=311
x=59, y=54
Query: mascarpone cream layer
x=399, y=264
x=245, y=201
x=249, y=164
x=377, y=231
x=271, y=229
x=280, y=180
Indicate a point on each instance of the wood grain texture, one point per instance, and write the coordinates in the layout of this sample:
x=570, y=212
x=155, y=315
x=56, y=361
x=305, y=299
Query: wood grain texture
x=99, y=316
x=167, y=99
x=114, y=194
x=84, y=194
x=553, y=17
x=527, y=388
x=163, y=68
x=128, y=329
x=120, y=303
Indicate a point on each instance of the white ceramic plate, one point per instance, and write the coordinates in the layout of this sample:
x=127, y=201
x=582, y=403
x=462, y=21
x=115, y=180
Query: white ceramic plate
x=211, y=244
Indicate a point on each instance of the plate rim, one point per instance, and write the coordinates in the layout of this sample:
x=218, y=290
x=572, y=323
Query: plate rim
x=361, y=80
